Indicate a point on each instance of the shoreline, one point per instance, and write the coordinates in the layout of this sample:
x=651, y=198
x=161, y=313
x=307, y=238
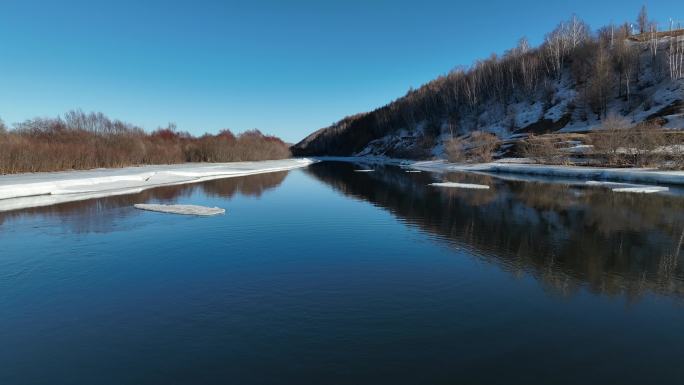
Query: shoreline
x=20, y=191
x=514, y=166
x=634, y=175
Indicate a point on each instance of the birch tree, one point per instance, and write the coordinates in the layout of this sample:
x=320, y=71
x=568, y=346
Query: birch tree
x=653, y=40
x=642, y=20
x=675, y=56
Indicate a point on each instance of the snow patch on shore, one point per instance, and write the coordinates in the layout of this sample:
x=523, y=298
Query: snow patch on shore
x=642, y=175
x=43, y=189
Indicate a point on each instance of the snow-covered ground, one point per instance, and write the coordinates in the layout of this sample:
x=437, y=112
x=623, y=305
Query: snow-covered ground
x=561, y=115
x=520, y=166
x=642, y=175
x=43, y=189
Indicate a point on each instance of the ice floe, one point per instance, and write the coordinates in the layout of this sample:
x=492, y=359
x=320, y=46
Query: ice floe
x=181, y=209
x=461, y=185
x=642, y=190
x=627, y=187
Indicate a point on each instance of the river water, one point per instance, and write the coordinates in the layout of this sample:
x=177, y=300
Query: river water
x=328, y=276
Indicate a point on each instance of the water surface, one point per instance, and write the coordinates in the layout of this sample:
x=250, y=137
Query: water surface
x=324, y=275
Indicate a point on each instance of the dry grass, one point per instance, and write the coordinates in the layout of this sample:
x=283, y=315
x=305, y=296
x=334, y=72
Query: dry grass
x=617, y=144
x=477, y=147
x=87, y=141
x=543, y=149
x=642, y=37
x=622, y=145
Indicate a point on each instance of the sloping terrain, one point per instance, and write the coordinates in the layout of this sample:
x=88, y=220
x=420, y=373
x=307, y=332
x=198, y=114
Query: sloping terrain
x=569, y=84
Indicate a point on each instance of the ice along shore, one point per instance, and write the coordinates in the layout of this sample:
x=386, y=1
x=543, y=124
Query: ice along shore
x=43, y=189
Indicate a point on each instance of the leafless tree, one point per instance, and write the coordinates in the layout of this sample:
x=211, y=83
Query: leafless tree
x=626, y=63
x=653, y=40
x=86, y=141
x=556, y=46
x=600, y=82
x=642, y=20
x=578, y=30
x=675, y=55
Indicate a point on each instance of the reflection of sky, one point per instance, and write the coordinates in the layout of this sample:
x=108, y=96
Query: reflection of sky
x=277, y=282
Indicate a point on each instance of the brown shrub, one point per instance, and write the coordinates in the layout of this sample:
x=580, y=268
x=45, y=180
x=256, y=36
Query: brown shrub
x=542, y=149
x=86, y=141
x=610, y=141
x=477, y=147
x=456, y=150
x=622, y=144
x=484, y=145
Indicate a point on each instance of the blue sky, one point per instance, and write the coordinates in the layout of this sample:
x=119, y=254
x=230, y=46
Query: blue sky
x=285, y=67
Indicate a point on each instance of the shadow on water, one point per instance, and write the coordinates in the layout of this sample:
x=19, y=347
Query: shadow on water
x=100, y=215
x=565, y=236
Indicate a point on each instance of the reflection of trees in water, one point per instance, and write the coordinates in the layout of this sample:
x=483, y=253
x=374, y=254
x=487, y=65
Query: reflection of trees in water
x=565, y=236
x=100, y=215
x=252, y=185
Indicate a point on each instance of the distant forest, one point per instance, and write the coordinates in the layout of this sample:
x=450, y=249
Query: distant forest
x=603, y=65
x=81, y=140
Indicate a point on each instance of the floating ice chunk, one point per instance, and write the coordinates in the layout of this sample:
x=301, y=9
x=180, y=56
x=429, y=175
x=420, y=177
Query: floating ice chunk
x=461, y=185
x=364, y=170
x=181, y=209
x=642, y=189
x=412, y=171
x=628, y=187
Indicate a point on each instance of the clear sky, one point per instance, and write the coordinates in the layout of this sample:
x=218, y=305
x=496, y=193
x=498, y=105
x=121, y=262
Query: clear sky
x=285, y=67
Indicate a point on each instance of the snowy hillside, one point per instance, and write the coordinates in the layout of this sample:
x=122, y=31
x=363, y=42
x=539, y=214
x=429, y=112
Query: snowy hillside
x=520, y=93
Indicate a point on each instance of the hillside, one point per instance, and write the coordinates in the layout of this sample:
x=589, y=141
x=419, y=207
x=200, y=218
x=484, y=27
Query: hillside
x=570, y=83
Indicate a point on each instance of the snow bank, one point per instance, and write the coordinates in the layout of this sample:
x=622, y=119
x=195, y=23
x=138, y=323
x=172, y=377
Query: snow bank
x=461, y=185
x=642, y=175
x=181, y=209
x=43, y=189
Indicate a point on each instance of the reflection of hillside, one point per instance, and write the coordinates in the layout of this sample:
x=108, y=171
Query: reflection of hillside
x=252, y=185
x=99, y=215
x=565, y=236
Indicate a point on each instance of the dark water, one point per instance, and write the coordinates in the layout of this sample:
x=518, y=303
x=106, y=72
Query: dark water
x=327, y=276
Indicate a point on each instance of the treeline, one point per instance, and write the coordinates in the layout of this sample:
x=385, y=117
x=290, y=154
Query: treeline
x=81, y=140
x=601, y=65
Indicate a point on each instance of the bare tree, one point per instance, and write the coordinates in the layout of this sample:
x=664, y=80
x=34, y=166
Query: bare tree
x=675, y=56
x=626, y=64
x=653, y=40
x=642, y=20
x=600, y=82
x=578, y=30
x=556, y=47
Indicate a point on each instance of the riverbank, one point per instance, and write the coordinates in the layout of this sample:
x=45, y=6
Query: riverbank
x=20, y=191
x=519, y=167
x=635, y=175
